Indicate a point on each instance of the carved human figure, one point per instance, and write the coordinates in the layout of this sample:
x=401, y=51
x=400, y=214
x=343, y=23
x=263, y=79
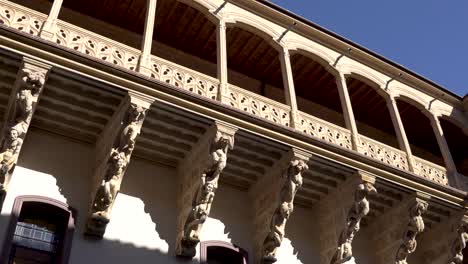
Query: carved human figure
x=9, y=154
x=459, y=243
x=28, y=90
x=203, y=199
x=415, y=227
x=272, y=242
x=117, y=163
x=359, y=210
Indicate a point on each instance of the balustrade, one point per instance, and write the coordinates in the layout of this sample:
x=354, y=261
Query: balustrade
x=102, y=48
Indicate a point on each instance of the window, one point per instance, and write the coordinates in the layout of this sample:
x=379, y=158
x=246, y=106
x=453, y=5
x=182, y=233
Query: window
x=40, y=232
x=219, y=252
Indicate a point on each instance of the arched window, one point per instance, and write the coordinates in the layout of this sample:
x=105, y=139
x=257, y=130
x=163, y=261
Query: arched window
x=40, y=232
x=219, y=252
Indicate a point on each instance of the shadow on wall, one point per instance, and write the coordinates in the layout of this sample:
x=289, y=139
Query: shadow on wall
x=110, y=251
x=117, y=252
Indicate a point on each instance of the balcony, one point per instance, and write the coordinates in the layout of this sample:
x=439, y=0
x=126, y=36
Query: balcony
x=328, y=124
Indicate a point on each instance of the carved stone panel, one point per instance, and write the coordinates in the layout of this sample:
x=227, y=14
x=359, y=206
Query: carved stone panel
x=284, y=209
x=460, y=242
x=359, y=210
x=115, y=167
x=22, y=104
x=214, y=163
x=414, y=228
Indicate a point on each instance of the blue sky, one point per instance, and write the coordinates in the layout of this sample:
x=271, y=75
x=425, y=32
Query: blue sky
x=429, y=37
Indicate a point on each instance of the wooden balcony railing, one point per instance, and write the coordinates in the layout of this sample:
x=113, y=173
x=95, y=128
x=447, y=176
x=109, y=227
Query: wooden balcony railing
x=102, y=48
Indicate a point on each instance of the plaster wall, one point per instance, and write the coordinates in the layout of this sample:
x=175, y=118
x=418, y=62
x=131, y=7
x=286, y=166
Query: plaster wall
x=143, y=224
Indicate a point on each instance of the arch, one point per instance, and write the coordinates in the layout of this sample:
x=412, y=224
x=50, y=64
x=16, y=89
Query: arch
x=453, y=115
x=205, y=7
x=315, y=52
x=204, y=245
x=15, y=215
x=362, y=72
x=371, y=82
x=324, y=62
x=400, y=91
x=254, y=25
x=418, y=103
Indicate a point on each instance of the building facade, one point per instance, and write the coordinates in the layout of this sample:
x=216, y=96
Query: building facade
x=193, y=131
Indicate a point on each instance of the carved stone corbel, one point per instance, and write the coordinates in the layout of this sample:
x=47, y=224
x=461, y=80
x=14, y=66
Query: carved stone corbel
x=460, y=242
x=221, y=140
x=296, y=164
x=415, y=227
x=22, y=104
x=359, y=210
x=112, y=169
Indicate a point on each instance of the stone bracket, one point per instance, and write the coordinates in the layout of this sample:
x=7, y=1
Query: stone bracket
x=418, y=208
x=274, y=202
x=359, y=209
x=114, y=151
x=199, y=175
x=25, y=95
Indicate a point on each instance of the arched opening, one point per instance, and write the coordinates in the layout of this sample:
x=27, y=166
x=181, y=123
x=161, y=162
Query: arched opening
x=370, y=111
x=316, y=89
x=419, y=131
x=253, y=63
x=40, y=231
x=121, y=22
x=458, y=144
x=219, y=252
x=185, y=35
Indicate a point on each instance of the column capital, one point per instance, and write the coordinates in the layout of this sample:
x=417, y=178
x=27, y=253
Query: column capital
x=140, y=99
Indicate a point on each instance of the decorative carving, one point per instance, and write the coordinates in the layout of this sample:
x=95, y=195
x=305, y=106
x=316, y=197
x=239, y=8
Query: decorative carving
x=20, y=18
x=358, y=211
x=415, y=227
x=460, y=243
x=204, y=196
x=29, y=87
x=258, y=105
x=116, y=166
x=272, y=242
x=384, y=153
x=184, y=78
x=325, y=131
x=430, y=171
x=96, y=46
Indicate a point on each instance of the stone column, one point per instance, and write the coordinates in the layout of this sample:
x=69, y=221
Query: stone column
x=273, y=200
x=111, y=169
x=49, y=28
x=289, y=91
x=144, y=64
x=444, y=149
x=221, y=51
x=348, y=113
x=199, y=175
x=23, y=101
x=400, y=131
